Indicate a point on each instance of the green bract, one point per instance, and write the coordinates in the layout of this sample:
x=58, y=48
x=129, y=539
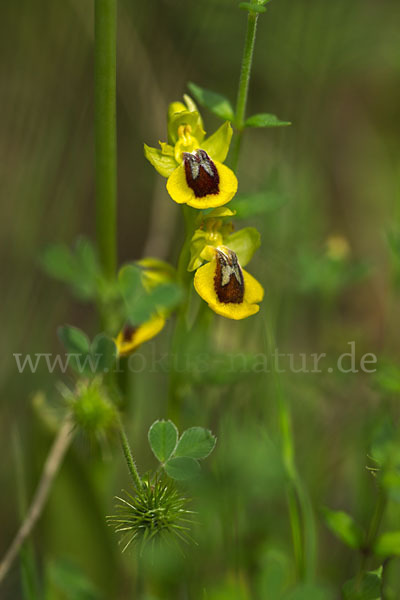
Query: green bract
x=184, y=114
x=217, y=145
x=243, y=242
x=164, y=163
x=186, y=134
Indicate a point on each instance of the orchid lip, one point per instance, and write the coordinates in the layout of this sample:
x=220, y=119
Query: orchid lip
x=201, y=173
x=228, y=279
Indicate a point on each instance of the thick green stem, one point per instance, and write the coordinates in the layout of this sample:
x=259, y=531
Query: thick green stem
x=244, y=81
x=105, y=133
x=129, y=458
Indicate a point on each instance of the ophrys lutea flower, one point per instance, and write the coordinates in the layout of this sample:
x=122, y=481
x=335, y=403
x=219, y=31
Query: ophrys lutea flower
x=193, y=163
x=154, y=274
x=131, y=337
x=227, y=288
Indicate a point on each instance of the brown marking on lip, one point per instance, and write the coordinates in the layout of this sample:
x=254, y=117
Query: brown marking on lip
x=128, y=332
x=201, y=173
x=228, y=278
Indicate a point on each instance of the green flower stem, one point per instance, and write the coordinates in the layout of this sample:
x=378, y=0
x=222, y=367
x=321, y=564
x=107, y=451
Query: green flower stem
x=105, y=134
x=244, y=81
x=129, y=457
x=180, y=331
x=301, y=513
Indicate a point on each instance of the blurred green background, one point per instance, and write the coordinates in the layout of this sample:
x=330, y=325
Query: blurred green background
x=333, y=69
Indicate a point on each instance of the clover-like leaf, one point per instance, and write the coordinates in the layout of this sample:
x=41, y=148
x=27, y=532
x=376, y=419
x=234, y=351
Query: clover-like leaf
x=216, y=103
x=344, y=527
x=196, y=442
x=265, y=120
x=163, y=436
x=77, y=345
x=74, y=340
x=78, y=268
x=104, y=352
x=182, y=468
x=142, y=304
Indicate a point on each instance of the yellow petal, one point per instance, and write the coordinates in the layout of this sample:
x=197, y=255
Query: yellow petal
x=204, y=285
x=253, y=291
x=127, y=343
x=181, y=193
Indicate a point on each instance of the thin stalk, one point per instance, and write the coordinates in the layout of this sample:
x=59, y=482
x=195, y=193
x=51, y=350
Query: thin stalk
x=129, y=457
x=105, y=133
x=301, y=514
x=50, y=469
x=180, y=331
x=373, y=530
x=385, y=593
x=244, y=81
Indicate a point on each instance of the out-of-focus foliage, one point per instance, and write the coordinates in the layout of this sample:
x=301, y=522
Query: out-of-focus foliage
x=332, y=70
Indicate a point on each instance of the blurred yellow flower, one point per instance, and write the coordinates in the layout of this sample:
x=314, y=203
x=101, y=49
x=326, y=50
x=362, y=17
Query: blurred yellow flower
x=227, y=288
x=337, y=247
x=130, y=337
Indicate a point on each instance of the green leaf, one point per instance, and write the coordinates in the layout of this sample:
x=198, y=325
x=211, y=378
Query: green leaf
x=130, y=283
x=140, y=304
x=344, y=527
x=104, y=352
x=196, y=442
x=182, y=468
x=79, y=268
x=244, y=242
x=164, y=164
x=252, y=7
x=265, y=120
x=218, y=104
x=251, y=205
x=162, y=298
x=366, y=588
x=58, y=262
x=163, y=436
x=217, y=145
x=74, y=340
x=165, y=296
x=86, y=358
x=388, y=544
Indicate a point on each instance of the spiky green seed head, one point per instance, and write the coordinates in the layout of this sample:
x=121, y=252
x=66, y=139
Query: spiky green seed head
x=154, y=515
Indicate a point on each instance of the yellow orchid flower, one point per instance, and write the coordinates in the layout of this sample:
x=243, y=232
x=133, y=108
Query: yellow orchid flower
x=201, y=182
x=193, y=163
x=130, y=338
x=227, y=288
